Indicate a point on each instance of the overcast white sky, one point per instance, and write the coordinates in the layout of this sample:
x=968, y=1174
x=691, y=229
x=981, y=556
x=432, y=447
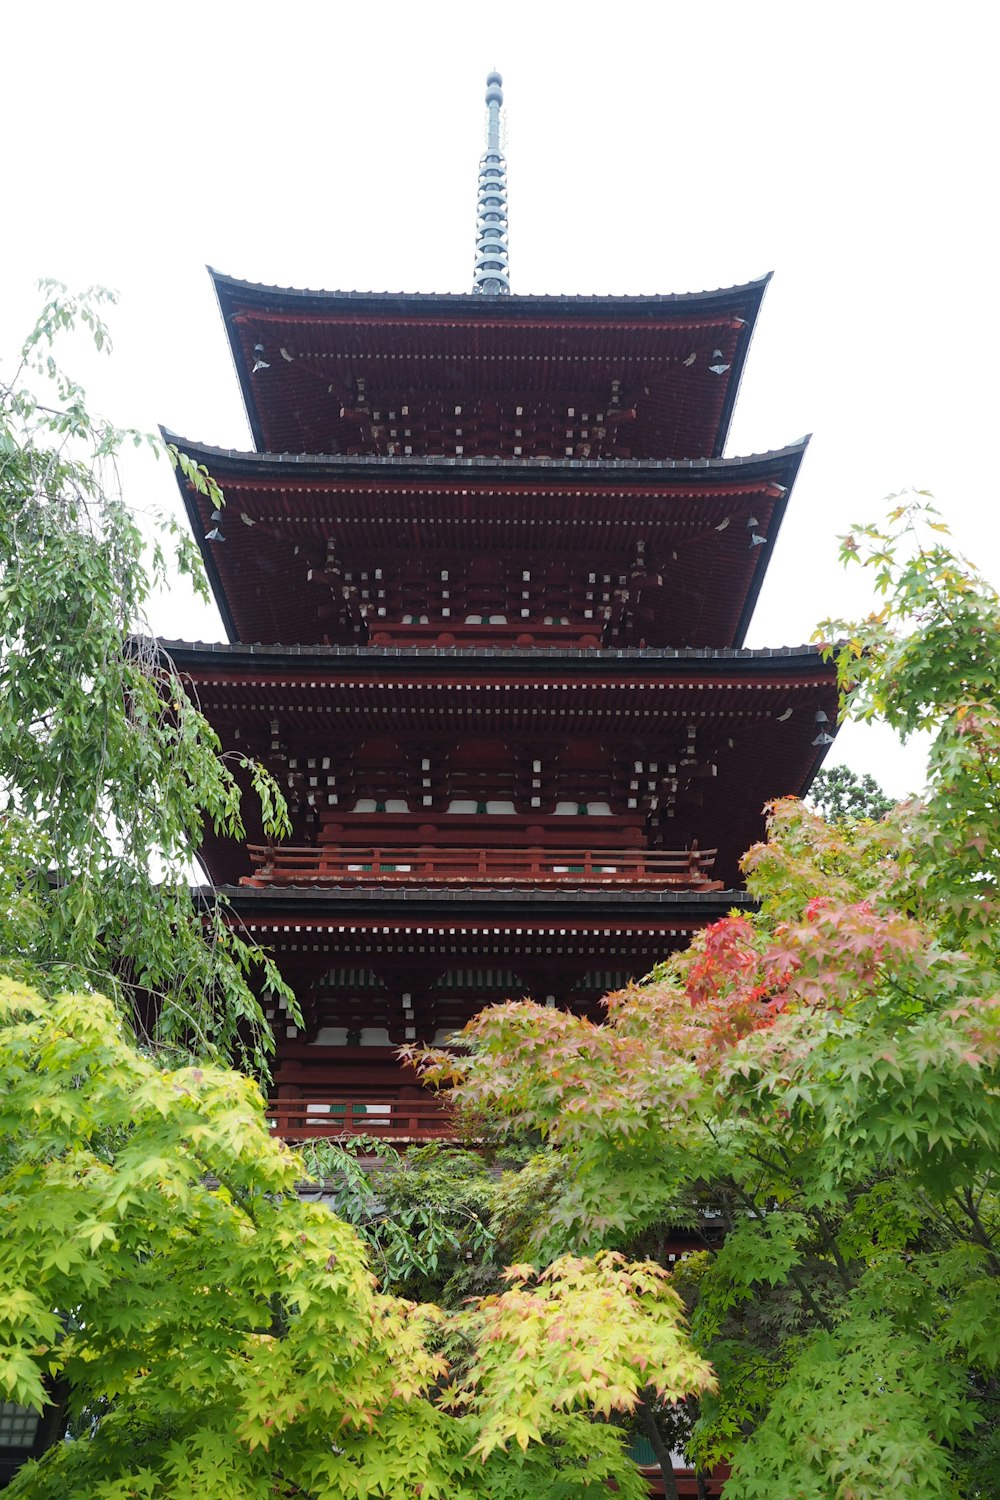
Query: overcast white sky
x=851, y=149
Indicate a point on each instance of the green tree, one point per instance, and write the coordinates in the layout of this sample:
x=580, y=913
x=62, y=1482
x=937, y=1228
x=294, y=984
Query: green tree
x=214, y=1336
x=428, y=1214
x=108, y=772
x=927, y=661
x=841, y=795
x=822, y=1080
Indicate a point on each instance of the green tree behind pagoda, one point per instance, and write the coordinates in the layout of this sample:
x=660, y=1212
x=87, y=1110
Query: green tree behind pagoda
x=840, y=795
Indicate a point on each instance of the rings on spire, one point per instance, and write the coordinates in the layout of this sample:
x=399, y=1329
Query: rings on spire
x=492, y=276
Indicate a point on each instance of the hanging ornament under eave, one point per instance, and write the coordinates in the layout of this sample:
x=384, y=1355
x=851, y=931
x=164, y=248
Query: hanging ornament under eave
x=823, y=738
x=756, y=538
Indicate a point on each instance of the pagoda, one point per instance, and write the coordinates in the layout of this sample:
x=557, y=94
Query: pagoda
x=486, y=580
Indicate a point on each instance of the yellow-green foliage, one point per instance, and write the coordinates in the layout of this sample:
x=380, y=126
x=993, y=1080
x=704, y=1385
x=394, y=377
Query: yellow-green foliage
x=216, y=1337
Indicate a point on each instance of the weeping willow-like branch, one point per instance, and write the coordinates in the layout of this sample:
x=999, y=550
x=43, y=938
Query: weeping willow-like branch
x=109, y=773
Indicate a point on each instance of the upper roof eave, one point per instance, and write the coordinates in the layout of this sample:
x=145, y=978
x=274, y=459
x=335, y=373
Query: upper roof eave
x=231, y=286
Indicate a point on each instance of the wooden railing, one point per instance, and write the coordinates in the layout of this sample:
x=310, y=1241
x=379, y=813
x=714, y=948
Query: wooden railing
x=337, y=864
x=387, y=1115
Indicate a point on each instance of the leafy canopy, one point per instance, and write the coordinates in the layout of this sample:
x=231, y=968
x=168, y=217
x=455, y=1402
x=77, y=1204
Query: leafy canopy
x=214, y=1336
x=820, y=1080
x=432, y=1215
x=108, y=773
x=927, y=661
x=840, y=794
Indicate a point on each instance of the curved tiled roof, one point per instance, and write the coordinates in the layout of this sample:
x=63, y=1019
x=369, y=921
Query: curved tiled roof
x=233, y=285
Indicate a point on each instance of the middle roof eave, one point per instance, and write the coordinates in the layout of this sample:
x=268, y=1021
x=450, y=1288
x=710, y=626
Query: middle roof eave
x=299, y=484
x=331, y=466
x=451, y=663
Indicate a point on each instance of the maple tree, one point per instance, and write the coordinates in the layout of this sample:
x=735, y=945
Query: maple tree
x=821, y=1080
x=213, y=1335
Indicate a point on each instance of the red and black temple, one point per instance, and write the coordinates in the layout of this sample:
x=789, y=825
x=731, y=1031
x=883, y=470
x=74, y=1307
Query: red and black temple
x=486, y=581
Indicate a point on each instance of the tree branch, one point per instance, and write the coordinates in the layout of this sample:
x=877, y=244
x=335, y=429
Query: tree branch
x=650, y=1430
x=979, y=1231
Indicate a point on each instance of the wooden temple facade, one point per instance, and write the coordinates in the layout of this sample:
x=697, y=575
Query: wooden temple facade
x=486, y=580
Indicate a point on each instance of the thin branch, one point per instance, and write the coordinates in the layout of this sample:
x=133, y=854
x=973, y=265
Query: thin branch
x=650, y=1430
x=980, y=1234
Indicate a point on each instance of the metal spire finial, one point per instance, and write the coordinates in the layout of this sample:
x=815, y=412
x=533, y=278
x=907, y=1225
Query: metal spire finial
x=492, y=274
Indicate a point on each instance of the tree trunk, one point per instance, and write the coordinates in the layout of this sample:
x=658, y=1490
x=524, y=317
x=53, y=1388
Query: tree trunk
x=649, y=1429
x=52, y=1427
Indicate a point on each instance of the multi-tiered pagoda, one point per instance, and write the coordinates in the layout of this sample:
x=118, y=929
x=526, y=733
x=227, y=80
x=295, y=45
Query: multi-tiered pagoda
x=486, y=579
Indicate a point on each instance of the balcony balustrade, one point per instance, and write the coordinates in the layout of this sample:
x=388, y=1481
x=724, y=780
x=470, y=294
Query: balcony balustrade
x=338, y=864
x=386, y=1115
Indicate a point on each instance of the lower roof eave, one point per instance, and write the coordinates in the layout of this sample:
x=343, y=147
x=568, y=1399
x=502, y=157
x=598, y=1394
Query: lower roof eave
x=303, y=904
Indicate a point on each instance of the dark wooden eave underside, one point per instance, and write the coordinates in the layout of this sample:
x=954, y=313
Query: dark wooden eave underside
x=463, y=344
x=589, y=927
x=572, y=947
x=750, y=713
x=691, y=518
